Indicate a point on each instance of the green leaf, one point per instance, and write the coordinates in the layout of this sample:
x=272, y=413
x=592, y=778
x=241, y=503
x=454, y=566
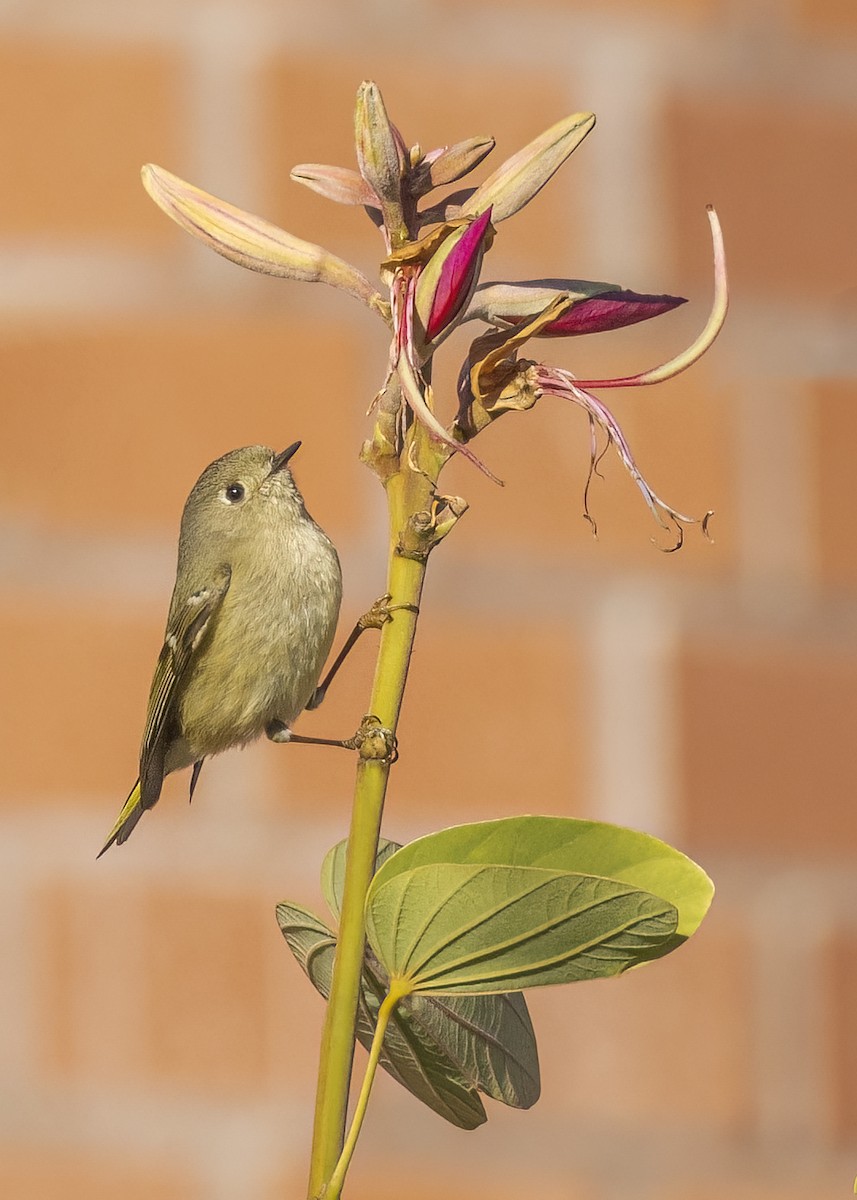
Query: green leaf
x=311, y=942
x=566, y=844
x=410, y=1055
x=447, y=928
x=489, y=1040
x=415, y=1058
x=333, y=870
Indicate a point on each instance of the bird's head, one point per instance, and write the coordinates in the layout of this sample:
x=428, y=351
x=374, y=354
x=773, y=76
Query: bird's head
x=243, y=495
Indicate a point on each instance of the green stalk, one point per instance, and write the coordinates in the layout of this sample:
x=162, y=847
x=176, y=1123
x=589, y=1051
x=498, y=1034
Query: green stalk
x=334, y=1187
x=408, y=493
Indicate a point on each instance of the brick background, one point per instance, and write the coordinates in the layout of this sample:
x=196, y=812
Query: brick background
x=156, y=1040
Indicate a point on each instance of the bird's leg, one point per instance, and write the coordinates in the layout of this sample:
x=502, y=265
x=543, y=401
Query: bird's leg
x=378, y=615
x=372, y=740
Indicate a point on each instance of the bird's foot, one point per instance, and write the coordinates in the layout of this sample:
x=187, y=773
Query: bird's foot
x=374, y=742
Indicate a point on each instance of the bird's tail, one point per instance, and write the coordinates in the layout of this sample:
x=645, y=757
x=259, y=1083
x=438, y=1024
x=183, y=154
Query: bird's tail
x=131, y=812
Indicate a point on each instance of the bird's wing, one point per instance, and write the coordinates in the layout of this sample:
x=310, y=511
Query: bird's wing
x=185, y=632
x=186, y=628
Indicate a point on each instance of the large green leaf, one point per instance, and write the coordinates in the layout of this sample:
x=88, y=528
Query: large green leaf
x=410, y=1054
x=448, y=927
x=567, y=844
x=333, y=870
x=488, y=1039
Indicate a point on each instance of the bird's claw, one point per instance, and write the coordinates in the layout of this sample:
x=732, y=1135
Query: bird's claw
x=382, y=611
x=374, y=742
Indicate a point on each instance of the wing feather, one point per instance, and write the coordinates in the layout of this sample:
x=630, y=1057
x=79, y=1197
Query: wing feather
x=185, y=632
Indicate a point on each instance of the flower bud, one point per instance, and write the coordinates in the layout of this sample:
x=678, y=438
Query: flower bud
x=449, y=163
x=251, y=241
x=523, y=175
x=449, y=277
x=379, y=156
x=505, y=304
x=609, y=310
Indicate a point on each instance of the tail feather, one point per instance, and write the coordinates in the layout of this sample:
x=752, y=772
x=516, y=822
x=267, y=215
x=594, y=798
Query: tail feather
x=131, y=812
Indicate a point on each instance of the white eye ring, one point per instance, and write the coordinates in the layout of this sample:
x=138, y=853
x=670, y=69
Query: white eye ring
x=234, y=493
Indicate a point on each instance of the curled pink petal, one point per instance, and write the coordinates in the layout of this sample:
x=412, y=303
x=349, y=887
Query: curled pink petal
x=696, y=349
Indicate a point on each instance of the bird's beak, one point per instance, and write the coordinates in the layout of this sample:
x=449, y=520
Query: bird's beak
x=283, y=457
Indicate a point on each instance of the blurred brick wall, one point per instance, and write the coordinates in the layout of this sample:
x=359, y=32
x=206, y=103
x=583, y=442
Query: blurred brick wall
x=156, y=1039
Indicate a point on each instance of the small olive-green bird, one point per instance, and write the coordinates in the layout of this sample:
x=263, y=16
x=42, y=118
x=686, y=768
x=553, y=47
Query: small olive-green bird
x=251, y=621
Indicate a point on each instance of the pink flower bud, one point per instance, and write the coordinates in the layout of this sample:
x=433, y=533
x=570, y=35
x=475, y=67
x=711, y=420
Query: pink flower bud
x=448, y=279
x=609, y=310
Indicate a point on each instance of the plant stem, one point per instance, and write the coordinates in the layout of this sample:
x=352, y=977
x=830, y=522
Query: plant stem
x=334, y=1187
x=408, y=492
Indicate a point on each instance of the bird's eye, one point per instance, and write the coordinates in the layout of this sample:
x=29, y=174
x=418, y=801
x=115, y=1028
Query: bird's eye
x=234, y=493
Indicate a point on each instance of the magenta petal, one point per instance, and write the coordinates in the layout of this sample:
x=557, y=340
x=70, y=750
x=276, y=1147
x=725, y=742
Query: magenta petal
x=457, y=276
x=609, y=310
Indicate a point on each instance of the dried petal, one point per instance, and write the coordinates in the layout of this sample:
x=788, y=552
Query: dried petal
x=447, y=282
x=251, y=241
x=335, y=183
x=423, y=249
x=524, y=174
x=492, y=356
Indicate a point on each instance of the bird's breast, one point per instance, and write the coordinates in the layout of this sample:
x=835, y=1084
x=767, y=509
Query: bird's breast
x=268, y=645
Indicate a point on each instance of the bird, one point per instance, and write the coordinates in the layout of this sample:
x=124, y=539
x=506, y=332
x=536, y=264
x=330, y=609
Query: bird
x=250, y=625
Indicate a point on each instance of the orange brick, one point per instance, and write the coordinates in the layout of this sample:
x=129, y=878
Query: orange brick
x=834, y=455
x=781, y=1182
x=329, y=86
x=659, y=11
x=73, y=671
x=205, y=1024
x=459, y=1174
x=203, y=995
x=831, y=18
x=741, y=154
x=56, y=953
x=87, y=119
x=491, y=725
x=840, y=963
x=668, y=1043
x=766, y=746
x=157, y=401
x=89, y=999
x=37, y=1172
